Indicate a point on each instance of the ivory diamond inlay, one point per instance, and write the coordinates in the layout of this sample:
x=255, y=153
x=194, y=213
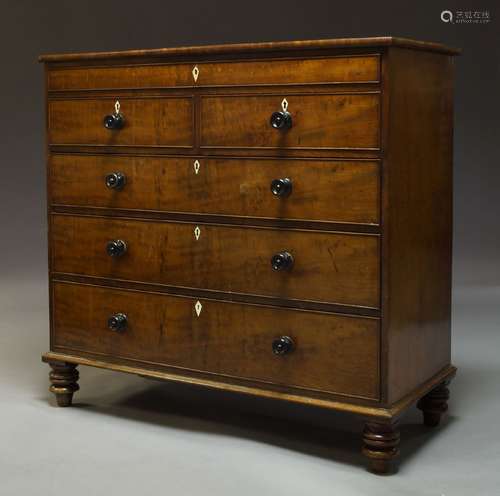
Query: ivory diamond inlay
x=196, y=73
x=197, y=307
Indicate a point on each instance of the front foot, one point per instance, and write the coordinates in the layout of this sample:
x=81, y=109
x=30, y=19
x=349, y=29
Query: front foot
x=381, y=445
x=64, y=382
x=434, y=405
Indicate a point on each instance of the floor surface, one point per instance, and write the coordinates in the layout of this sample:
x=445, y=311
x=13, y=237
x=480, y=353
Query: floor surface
x=131, y=436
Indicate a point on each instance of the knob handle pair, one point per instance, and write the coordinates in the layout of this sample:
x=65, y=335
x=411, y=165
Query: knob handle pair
x=279, y=261
x=280, y=188
x=279, y=120
x=281, y=346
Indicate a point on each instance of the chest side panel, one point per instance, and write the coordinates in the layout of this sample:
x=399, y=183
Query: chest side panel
x=417, y=218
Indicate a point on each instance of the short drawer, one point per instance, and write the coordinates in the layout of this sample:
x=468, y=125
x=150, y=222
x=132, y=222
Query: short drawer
x=320, y=121
x=327, y=267
x=167, y=121
x=322, y=70
x=336, y=191
x=327, y=352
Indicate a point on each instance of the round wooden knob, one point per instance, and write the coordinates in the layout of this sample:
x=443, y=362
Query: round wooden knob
x=115, y=180
x=281, y=120
x=117, y=322
x=116, y=248
x=114, y=121
x=282, y=261
x=281, y=188
x=282, y=345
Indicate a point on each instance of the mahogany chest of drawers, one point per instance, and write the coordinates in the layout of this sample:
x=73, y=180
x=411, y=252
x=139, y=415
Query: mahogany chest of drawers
x=271, y=219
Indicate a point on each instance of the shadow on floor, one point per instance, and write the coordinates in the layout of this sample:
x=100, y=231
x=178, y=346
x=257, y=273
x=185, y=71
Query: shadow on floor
x=311, y=431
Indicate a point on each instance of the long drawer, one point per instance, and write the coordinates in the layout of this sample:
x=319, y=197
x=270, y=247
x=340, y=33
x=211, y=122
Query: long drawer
x=327, y=352
x=147, y=121
x=337, y=191
x=320, y=121
x=319, y=70
x=316, y=265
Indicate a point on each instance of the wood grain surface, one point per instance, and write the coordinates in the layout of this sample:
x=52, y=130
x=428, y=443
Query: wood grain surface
x=336, y=191
x=319, y=121
x=337, y=44
x=331, y=352
x=328, y=267
x=324, y=70
x=148, y=122
x=417, y=218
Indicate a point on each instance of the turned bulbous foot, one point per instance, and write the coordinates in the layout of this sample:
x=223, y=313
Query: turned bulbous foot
x=64, y=382
x=381, y=446
x=434, y=405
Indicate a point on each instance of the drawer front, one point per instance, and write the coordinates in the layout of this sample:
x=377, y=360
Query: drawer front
x=320, y=190
x=131, y=77
x=331, y=353
x=319, y=121
x=327, y=267
x=263, y=72
x=164, y=122
x=299, y=71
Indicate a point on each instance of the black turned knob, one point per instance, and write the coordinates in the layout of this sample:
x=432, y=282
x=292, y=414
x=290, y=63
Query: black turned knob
x=281, y=187
x=282, y=261
x=117, y=322
x=281, y=120
x=114, y=121
x=116, y=248
x=115, y=180
x=283, y=345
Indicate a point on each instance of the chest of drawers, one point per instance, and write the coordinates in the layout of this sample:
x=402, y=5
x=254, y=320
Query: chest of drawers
x=270, y=219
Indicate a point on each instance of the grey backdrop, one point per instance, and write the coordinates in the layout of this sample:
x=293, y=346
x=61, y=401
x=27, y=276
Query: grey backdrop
x=29, y=28
x=126, y=436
